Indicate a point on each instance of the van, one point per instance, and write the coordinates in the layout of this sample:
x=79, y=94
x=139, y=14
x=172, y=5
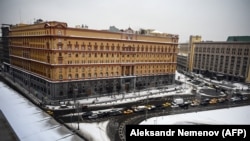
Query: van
x=63, y=106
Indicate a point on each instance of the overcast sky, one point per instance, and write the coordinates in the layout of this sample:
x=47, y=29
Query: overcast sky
x=212, y=19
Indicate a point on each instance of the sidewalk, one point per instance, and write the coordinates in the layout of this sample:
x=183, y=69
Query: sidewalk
x=127, y=97
x=108, y=100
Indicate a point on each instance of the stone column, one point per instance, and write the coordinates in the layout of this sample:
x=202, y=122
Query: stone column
x=123, y=70
x=130, y=70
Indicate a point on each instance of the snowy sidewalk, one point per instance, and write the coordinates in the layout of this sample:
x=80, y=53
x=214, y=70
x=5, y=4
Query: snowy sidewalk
x=128, y=97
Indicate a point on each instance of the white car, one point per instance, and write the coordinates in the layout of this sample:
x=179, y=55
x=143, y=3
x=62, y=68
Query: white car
x=174, y=105
x=235, y=99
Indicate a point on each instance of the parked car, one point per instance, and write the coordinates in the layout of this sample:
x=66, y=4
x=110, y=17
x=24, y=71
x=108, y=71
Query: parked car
x=86, y=114
x=195, y=102
x=150, y=107
x=184, y=106
x=127, y=111
x=102, y=114
x=174, y=105
x=205, y=102
x=244, y=98
x=93, y=116
x=139, y=108
x=221, y=99
x=166, y=104
x=50, y=112
x=213, y=101
x=235, y=98
x=114, y=112
x=63, y=106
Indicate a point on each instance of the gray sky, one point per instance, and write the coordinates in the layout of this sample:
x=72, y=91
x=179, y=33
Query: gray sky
x=212, y=19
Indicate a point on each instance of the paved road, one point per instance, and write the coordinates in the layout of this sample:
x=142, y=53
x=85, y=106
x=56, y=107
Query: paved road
x=137, y=118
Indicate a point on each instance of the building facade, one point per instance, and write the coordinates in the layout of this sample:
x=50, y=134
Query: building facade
x=5, y=58
x=55, y=61
x=182, y=57
x=228, y=60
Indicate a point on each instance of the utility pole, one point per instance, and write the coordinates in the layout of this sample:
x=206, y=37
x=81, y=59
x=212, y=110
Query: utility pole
x=146, y=116
x=76, y=105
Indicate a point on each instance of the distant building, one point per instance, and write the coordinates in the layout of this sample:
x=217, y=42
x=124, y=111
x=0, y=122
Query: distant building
x=54, y=61
x=1, y=51
x=186, y=53
x=182, y=57
x=5, y=58
x=229, y=60
x=114, y=29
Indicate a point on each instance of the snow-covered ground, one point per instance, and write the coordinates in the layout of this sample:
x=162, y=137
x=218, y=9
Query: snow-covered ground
x=235, y=115
x=27, y=116
x=92, y=131
x=185, y=88
x=227, y=116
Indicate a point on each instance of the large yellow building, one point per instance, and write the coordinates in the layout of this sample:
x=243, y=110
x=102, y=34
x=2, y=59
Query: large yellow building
x=55, y=61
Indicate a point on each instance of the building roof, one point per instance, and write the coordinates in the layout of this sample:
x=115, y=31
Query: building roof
x=238, y=38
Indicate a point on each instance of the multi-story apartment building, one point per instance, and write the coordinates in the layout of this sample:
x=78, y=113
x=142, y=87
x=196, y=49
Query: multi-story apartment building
x=228, y=60
x=55, y=61
x=182, y=57
x=5, y=59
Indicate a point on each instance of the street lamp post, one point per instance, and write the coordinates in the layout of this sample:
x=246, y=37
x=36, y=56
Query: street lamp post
x=76, y=105
x=146, y=116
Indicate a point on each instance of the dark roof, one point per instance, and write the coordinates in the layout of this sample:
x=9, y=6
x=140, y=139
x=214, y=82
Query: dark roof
x=238, y=38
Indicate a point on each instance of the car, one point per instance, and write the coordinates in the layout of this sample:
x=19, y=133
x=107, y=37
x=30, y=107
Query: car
x=174, y=106
x=201, y=85
x=235, y=98
x=221, y=99
x=114, y=112
x=166, y=104
x=213, y=101
x=206, y=99
x=50, y=112
x=102, y=114
x=195, y=102
x=150, y=107
x=184, y=105
x=63, y=106
x=86, y=114
x=244, y=98
x=128, y=111
x=204, y=103
x=139, y=108
x=93, y=116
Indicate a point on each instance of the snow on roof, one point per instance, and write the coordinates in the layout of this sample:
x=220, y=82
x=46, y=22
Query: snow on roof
x=28, y=121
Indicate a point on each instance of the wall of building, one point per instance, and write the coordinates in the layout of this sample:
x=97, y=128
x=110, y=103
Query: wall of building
x=192, y=41
x=230, y=59
x=57, y=59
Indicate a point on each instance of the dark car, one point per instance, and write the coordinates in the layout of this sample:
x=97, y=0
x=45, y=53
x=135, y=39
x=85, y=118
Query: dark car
x=93, y=116
x=184, y=105
x=114, y=113
x=102, y=114
x=86, y=114
x=204, y=102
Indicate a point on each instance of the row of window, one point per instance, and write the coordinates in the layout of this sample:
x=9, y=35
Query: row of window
x=234, y=51
x=107, y=47
x=236, y=65
x=111, y=74
x=101, y=68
